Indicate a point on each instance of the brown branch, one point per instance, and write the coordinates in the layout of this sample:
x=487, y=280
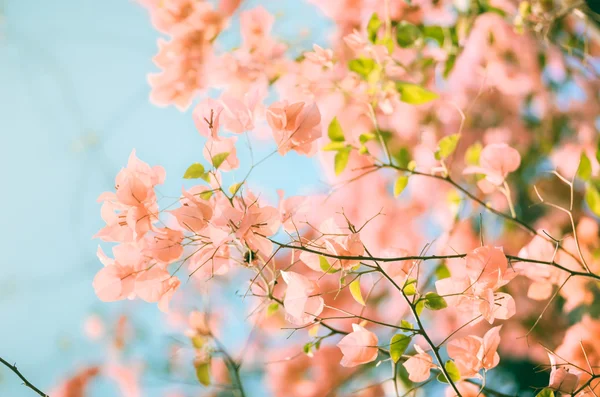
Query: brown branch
x=23, y=378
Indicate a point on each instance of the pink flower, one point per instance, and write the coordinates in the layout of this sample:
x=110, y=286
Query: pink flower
x=472, y=353
x=496, y=161
x=116, y=280
x=194, y=213
x=214, y=148
x=561, y=379
x=358, y=347
x=295, y=127
x=165, y=245
x=356, y=41
x=487, y=267
x=419, y=365
x=207, y=116
x=291, y=207
x=302, y=302
x=320, y=56
x=238, y=116
x=256, y=24
x=156, y=285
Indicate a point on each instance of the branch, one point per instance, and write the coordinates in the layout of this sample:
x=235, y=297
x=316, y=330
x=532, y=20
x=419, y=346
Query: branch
x=23, y=378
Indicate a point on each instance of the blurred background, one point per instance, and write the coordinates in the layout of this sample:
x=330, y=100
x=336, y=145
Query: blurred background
x=74, y=104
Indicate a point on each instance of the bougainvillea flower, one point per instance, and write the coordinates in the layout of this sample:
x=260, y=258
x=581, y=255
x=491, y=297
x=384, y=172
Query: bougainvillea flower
x=302, y=301
x=295, y=127
x=419, y=365
x=358, y=347
x=496, y=161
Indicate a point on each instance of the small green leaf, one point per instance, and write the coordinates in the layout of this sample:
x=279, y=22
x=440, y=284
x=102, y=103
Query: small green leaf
x=203, y=373
x=434, y=302
x=373, y=26
x=406, y=324
x=449, y=65
x=407, y=34
x=194, y=171
x=398, y=346
x=592, y=198
x=442, y=272
x=419, y=307
x=362, y=66
x=335, y=131
x=410, y=287
x=272, y=309
x=356, y=292
x=472, y=154
x=387, y=42
x=412, y=165
x=341, y=160
x=452, y=370
x=545, y=393
x=598, y=152
x=366, y=137
x=400, y=184
x=402, y=157
x=325, y=266
x=218, y=159
x=233, y=189
x=307, y=349
x=198, y=341
x=447, y=146
x=206, y=195
x=334, y=146
x=584, y=171
x=414, y=93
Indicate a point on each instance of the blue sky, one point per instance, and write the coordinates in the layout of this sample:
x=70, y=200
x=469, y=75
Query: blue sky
x=74, y=104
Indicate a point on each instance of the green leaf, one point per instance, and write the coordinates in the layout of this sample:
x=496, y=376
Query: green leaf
x=442, y=272
x=592, y=198
x=341, y=160
x=452, y=370
x=335, y=131
x=233, y=189
x=356, y=292
x=414, y=93
x=584, y=171
x=407, y=34
x=325, y=266
x=366, y=137
x=206, y=195
x=387, y=42
x=307, y=349
x=197, y=341
x=203, y=373
x=218, y=159
x=472, y=154
x=446, y=146
x=545, y=393
x=449, y=65
x=272, y=309
x=434, y=33
x=410, y=287
x=398, y=346
x=598, y=152
x=194, y=171
x=334, y=146
x=406, y=324
x=434, y=302
x=419, y=307
x=373, y=26
x=400, y=184
x=362, y=66
x=402, y=157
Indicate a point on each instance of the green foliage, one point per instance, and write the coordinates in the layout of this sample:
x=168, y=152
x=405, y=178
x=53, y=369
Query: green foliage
x=592, y=198
x=452, y=371
x=407, y=34
x=398, y=346
x=434, y=302
x=341, y=160
x=362, y=66
x=219, y=158
x=195, y=171
x=584, y=171
x=414, y=93
x=373, y=26
x=335, y=131
x=545, y=393
x=203, y=373
x=400, y=185
x=447, y=146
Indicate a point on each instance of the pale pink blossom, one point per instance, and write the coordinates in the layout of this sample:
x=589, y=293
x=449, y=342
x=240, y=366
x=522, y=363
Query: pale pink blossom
x=561, y=378
x=295, y=127
x=358, y=347
x=419, y=365
x=496, y=161
x=302, y=302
